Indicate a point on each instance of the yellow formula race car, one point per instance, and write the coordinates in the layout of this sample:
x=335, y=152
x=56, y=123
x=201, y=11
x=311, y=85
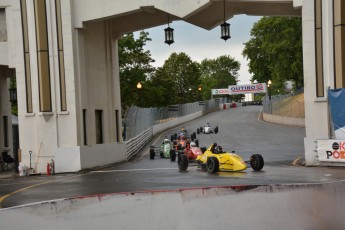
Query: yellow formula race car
x=215, y=159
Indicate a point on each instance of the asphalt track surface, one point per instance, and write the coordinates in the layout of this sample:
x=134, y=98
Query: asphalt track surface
x=240, y=129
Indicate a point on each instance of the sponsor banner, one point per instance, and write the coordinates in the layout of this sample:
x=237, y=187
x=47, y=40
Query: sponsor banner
x=251, y=88
x=337, y=103
x=331, y=150
x=220, y=91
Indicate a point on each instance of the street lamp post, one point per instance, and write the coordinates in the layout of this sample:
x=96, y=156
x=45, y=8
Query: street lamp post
x=139, y=87
x=269, y=83
x=199, y=90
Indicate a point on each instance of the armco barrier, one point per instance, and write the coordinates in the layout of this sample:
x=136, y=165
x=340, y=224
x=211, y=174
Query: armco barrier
x=135, y=144
x=314, y=206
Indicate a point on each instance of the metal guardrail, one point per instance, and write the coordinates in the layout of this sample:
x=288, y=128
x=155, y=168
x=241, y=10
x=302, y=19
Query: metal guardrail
x=138, y=122
x=134, y=145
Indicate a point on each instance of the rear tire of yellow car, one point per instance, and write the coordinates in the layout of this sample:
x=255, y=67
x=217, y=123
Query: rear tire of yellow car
x=212, y=165
x=182, y=162
x=256, y=162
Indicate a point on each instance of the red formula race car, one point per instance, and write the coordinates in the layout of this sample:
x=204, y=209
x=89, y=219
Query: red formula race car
x=192, y=150
x=180, y=141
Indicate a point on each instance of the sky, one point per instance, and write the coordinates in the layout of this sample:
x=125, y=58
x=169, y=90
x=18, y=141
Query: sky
x=199, y=43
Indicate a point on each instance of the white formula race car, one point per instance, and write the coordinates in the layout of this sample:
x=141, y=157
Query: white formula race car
x=207, y=129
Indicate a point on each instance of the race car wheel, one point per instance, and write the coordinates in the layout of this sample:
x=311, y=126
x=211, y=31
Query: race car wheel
x=256, y=162
x=172, y=155
x=182, y=162
x=152, y=154
x=175, y=136
x=212, y=165
x=203, y=167
x=172, y=138
x=216, y=130
x=201, y=129
x=203, y=149
x=196, y=141
x=198, y=131
x=179, y=147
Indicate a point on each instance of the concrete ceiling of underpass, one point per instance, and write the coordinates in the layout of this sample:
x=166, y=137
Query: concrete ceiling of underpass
x=207, y=17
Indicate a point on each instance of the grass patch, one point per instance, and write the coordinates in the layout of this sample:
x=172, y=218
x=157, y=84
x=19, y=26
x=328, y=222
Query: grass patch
x=290, y=107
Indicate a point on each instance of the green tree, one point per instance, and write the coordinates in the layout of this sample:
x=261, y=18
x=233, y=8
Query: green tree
x=178, y=80
x=134, y=63
x=275, y=51
x=218, y=73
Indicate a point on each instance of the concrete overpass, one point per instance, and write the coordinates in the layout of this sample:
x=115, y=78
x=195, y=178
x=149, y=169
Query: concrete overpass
x=64, y=54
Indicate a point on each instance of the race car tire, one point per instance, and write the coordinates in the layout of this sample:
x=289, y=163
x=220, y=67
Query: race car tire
x=172, y=155
x=198, y=131
x=212, y=165
x=152, y=154
x=182, y=162
x=203, y=149
x=201, y=129
x=256, y=162
x=179, y=152
x=203, y=167
x=216, y=130
x=193, y=136
x=172, y=138
x=179, y=147
x=175, y=136
x=196, y=141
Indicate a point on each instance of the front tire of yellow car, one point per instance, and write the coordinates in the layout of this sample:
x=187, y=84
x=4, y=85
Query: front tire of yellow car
x=212, y=165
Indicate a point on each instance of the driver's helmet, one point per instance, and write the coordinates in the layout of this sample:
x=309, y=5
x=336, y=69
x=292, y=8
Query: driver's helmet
x=218, y=149
x=166, y=140
x=207, y=124
x=183, y=130
x=192, y=144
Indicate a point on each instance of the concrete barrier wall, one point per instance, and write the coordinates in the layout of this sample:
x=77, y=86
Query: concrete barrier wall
x=237, y=207
x=292, y=121
x=175, y=122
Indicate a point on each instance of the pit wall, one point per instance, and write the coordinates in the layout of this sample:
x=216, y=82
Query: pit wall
x=313, y=206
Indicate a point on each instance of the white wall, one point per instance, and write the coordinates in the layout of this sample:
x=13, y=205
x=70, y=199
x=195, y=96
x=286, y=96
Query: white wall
x=4, y=53
x=316, y=108
x=74, y=159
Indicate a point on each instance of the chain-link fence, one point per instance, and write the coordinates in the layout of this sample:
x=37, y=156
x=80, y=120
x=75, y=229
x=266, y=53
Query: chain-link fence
x=137, y=120
x=290, y=105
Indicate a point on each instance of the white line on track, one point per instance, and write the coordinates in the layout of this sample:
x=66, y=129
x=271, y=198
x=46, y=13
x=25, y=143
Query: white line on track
x=133, y=170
